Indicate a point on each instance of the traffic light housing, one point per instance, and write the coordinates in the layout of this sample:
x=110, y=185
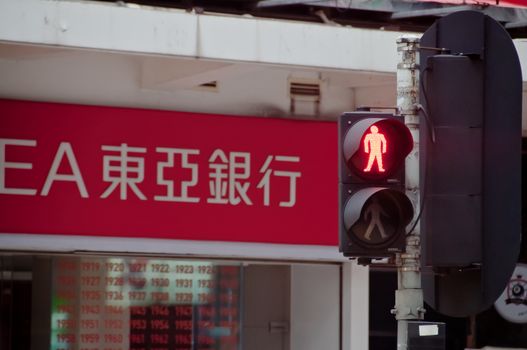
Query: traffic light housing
x=470, y=162
x=373, y=208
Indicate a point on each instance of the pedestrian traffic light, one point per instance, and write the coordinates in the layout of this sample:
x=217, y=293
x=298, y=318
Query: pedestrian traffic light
x=373, y=208
x=470, y=162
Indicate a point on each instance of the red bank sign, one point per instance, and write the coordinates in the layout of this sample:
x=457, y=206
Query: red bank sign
x=101, y=171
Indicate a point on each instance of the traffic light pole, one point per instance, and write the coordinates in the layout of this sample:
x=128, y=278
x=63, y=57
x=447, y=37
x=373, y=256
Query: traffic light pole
x=409, y=295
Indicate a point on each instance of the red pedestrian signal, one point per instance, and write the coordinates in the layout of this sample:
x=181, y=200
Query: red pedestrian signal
x=375, y=145
x=374, y=210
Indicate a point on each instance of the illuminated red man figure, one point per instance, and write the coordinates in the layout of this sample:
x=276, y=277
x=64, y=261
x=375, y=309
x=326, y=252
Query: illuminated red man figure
x=375, y=145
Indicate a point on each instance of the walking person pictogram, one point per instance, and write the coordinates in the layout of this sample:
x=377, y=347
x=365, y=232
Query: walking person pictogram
x=375, y=145
x=373, y=215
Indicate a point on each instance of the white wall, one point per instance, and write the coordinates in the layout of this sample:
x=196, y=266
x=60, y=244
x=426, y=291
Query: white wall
x=319, y=313
x=161, y=31
x=355, y=306
x=118, y=79
x=315, y=307
x=138, y=56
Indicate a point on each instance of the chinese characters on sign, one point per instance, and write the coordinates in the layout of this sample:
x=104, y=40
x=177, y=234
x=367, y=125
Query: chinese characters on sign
x=229, y=174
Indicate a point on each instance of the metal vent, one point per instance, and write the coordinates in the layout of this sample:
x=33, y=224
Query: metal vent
x=304, y=95
x=306, y=91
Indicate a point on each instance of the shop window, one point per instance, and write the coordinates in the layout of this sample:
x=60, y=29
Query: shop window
x=144, y=304
x=70, y=302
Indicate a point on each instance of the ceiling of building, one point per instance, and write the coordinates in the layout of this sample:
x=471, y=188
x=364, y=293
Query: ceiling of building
x=400, y=15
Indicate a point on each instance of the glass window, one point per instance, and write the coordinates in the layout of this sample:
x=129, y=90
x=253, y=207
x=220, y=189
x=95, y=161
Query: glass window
x=141, y=303
x=71, y=302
